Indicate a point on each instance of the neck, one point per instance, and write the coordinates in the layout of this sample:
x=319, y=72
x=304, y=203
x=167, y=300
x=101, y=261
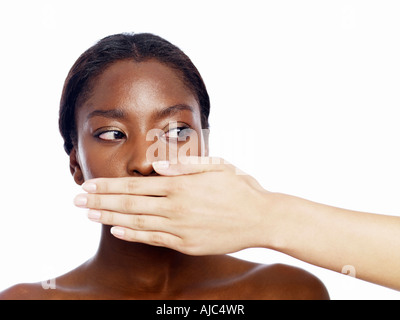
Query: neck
x=134, y=265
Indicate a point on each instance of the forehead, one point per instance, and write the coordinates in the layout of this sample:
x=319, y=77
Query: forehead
x=140, y=87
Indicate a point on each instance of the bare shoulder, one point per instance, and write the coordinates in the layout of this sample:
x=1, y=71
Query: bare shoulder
x=60, y=288
x=289, y=282
x=24, y=291
x=277, y=281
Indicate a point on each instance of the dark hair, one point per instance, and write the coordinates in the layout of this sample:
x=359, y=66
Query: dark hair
x=138, y=47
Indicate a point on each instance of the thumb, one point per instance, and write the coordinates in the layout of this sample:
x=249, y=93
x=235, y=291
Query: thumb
x=189, y=165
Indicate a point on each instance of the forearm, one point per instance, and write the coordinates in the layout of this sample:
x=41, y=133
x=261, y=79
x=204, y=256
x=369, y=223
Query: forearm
x=332, y=238
x=219, y=211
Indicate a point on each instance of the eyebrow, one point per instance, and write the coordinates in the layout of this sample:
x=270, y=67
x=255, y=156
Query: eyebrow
x=172, y=110
x=157, y=114
x=112, y=114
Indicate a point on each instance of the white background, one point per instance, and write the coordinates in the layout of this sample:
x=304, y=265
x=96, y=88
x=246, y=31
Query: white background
x=305, y=97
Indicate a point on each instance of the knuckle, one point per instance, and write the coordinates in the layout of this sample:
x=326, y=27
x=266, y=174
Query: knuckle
x=177, y=185
x=127, y=203
x=197, y=248
x=176, y=208
x=138, y=222
x=165, y=188
x=191, y=250
x=188, y=248
x=156, y=239
x=130, y=186
x=94, y=201
x=102, y=185
x=160, y=206
x=108, y=218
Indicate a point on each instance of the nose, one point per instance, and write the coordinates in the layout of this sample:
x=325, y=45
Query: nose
x=139, y=163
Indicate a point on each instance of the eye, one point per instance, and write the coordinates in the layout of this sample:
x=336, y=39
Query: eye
x=179, y=133
x=111, y=135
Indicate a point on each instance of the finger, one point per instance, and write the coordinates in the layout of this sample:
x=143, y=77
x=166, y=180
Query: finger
x=190, y=165
x=154, y=238
x=122, y=203
x=150, y=186
x=132, y=221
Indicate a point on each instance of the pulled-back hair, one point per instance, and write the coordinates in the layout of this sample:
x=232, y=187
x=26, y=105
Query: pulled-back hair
x=136, y=47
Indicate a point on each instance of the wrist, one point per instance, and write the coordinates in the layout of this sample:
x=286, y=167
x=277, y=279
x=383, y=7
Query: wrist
x=277, y=225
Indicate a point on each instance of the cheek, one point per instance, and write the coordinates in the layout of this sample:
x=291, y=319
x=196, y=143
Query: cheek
x=96, y=163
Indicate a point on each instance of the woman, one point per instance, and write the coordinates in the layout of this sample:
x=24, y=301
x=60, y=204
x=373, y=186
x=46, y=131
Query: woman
x=118, y=91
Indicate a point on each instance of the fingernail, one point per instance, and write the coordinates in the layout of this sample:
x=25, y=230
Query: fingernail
x=94, y=215
x=161, y=164
x=89, y=187
x=80, y=200
x=118, y=232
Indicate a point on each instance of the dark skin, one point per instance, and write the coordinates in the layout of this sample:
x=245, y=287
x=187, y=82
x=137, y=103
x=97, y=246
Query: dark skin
x=129, y=99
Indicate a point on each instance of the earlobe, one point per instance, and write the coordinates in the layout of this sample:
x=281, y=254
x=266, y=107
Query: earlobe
x=75, y=167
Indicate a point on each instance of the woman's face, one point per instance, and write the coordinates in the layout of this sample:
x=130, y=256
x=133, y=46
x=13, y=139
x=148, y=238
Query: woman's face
x=136, y=113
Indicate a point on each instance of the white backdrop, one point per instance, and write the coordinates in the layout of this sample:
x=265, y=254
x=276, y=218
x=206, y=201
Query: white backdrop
x=305, y=97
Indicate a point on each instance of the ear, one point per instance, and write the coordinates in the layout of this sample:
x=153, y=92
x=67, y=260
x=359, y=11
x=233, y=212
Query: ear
x=75, y=167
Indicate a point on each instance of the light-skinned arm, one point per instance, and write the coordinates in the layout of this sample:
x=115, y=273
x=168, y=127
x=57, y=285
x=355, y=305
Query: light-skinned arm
x=201, y=209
